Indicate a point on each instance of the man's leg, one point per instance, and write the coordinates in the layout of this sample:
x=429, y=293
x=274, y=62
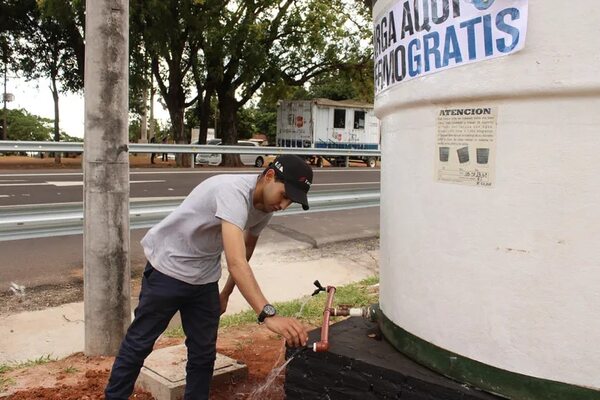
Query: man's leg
x=200, y=320
x=159, y=301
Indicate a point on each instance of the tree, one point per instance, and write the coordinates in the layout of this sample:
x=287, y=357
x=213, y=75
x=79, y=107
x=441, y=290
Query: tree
x=70, y=15
x=28, y=127
x=232, y=48
x=248, y=44
x=170, y=32
x=43, y=50
x=352, y=82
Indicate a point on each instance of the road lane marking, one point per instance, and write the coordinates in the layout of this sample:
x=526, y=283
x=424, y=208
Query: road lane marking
x=23, y=184
x=13, y=180
x=78, y=183
x=66, y=183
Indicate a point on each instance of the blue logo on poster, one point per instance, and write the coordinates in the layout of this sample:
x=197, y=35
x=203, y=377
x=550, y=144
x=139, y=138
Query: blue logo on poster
x=481, y=4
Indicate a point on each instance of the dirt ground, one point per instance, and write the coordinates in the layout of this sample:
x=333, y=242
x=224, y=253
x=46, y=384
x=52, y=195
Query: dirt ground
x=78, y=377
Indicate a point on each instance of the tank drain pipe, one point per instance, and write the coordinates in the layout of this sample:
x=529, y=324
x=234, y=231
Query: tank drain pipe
x=323, y=344
x=369, y=312
x=351, y=312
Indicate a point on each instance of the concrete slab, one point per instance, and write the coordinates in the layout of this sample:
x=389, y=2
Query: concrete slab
x=55, y=332
x=163, y=373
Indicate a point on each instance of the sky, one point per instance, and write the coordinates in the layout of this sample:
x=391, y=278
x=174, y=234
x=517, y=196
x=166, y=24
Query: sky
x=36, y=97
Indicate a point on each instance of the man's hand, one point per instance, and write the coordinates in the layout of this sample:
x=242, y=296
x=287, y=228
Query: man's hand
x=294, y=333
x=223, y=298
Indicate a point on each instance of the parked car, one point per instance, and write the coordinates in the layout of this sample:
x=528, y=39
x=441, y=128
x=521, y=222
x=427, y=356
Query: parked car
x=258, y=160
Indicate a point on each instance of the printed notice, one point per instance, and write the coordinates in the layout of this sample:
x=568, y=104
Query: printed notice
x=420, y=37
x=466, y=146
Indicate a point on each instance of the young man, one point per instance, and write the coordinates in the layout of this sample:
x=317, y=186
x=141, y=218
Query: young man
x=225, y=212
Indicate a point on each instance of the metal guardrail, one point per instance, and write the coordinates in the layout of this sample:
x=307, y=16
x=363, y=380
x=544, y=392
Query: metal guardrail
x=77, y=147
x=35, y=221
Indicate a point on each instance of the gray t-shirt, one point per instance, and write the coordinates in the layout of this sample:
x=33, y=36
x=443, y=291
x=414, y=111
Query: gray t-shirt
x=188, y=243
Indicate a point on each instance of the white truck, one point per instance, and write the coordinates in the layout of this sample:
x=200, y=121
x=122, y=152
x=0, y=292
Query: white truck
x=329, y=124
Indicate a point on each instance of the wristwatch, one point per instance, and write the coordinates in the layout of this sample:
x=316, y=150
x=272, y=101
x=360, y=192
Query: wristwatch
x=267, y=311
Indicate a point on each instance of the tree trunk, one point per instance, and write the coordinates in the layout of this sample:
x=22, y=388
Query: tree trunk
x=151, y=132
x=204, y=117
x=182, y=160
x=228, y=108
x=56, y=117
x=144, y=122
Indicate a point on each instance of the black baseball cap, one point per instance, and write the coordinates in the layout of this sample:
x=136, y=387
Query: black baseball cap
x=296, y=175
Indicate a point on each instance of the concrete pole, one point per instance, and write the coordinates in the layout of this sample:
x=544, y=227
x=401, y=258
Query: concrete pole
x=106, y=177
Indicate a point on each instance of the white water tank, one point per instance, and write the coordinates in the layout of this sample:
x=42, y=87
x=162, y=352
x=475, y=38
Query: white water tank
x=490, y=208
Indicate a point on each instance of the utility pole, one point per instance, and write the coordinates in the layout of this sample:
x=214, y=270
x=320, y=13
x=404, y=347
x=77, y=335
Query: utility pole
x=106, y=177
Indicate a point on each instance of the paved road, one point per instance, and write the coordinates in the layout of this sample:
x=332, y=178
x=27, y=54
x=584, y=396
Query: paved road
x=57, y=260
x=41, y=187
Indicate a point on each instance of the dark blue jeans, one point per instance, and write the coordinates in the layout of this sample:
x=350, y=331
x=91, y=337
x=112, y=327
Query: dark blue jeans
x=160, y=298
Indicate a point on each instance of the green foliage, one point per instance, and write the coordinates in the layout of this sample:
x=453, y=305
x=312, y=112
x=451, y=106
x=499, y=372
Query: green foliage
x=64, y=137
x=71, y=370
x=350, y=83
x=25, y=126
x=44, y=359
x=5, y=382
x=4, y=368
x=135, y=130
x=196, y=49
x=246, y=123
x=41, y=35
x=43, y=47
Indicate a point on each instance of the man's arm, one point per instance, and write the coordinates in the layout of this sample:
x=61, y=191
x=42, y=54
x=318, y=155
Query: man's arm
x=239, y=269
x=250, y=241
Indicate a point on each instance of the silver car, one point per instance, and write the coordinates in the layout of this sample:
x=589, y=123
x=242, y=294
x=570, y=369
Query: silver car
x=258, y=160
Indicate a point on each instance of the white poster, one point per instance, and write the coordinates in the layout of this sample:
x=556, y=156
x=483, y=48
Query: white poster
x=420, y=37
x=465, y=150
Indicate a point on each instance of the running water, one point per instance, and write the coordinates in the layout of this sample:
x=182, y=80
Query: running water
x=260, y=392
x=299, y=313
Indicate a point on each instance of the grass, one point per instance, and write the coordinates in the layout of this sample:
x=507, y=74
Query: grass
x=4, y=368
x=26, y=364
x=354, y=294
x=5, y=383
x=71, y=369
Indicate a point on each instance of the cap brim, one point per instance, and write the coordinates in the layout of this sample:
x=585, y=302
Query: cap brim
x=297, y=195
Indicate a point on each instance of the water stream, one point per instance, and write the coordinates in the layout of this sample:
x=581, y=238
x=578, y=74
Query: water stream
x=306, y=300
x=259, y=392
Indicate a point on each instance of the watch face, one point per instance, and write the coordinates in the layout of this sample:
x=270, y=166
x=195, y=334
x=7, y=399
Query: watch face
x=269, y=310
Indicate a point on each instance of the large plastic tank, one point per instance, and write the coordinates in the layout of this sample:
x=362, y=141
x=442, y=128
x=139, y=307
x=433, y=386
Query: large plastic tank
x=490, y=209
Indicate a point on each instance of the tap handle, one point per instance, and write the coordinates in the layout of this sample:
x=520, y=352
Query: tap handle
x=319, y=289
